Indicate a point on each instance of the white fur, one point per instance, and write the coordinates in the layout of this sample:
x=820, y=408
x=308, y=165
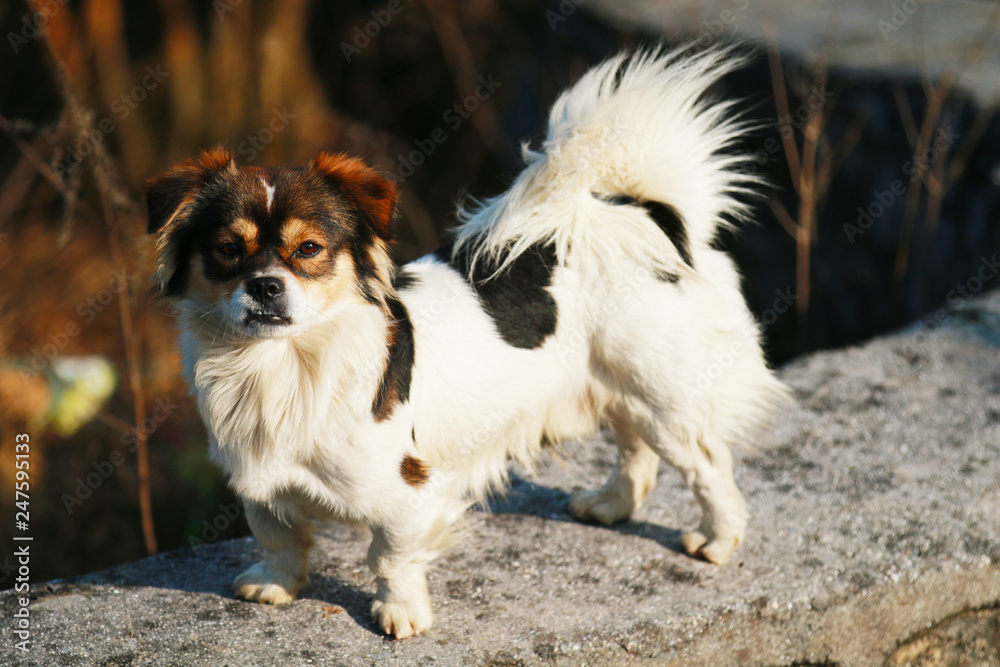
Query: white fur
x=290, y=417
x=269, y=189
x=654, y=135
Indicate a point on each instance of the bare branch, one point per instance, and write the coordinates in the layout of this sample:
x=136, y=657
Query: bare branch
x=781, y=103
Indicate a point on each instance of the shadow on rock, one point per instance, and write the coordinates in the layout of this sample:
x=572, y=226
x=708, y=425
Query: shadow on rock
x=527, y=498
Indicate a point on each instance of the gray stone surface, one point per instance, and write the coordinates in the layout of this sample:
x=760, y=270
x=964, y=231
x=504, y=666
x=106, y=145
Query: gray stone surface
x=875, y=513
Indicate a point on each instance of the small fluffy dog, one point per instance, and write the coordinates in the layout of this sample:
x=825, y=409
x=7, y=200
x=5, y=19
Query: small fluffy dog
x=335, y=386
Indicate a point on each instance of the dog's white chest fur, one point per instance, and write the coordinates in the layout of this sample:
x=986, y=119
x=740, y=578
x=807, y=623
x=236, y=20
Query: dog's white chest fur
x=292, y=415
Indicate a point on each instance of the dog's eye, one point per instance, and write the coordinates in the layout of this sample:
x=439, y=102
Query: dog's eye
x=309, y=249
x=229, y=249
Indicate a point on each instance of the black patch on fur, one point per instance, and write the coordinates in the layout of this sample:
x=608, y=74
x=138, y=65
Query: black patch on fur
x=666, y=218
x=522, y=309
x=367, y=277
x=163, y=199
x=403, y=280
x=177, y=284
x=618, y=200
x=394, y=388
x=666, y=276
x=620, y=72
x=360, y=241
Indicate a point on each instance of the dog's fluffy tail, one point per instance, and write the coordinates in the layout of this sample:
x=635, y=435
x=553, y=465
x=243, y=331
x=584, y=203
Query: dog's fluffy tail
x=636, y=129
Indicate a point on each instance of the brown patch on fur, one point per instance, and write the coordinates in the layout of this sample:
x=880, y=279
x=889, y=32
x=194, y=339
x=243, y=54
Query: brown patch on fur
x=373, y=194
x=414, y=471
x=247, y=231
x=216, y=159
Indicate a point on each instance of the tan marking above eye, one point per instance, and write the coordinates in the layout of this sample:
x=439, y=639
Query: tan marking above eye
x=296, y=231
x=248, y=232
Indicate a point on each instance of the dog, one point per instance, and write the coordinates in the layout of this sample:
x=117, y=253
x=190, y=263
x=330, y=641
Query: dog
x=336, y=386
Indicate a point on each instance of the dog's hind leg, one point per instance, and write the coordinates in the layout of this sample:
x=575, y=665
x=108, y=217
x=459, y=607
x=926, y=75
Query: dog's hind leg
x=706, y=464
x=284, y=571
x=633, y=479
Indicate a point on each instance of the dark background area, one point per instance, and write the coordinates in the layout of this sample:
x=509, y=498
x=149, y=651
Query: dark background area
x=235, y=68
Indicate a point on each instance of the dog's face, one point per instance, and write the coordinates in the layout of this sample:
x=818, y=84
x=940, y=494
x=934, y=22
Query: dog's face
x=267, y=251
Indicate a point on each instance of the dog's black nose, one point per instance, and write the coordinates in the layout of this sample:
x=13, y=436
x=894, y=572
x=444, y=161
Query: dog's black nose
x=265, y=289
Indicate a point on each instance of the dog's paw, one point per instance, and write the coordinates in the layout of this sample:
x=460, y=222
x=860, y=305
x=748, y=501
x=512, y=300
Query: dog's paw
x=262, y=584
x=718, y=550
x=600, y=506
x=403, y=619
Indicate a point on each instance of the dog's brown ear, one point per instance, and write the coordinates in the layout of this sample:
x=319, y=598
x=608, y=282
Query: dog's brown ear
x=170, y=200
x=372, y=193
x=168, y=195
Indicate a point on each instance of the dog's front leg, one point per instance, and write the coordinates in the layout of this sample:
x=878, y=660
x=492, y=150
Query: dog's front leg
x=402, y=606
x=284, y=571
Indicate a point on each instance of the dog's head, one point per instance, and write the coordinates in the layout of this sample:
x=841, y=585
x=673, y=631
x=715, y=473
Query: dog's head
x=266, y=251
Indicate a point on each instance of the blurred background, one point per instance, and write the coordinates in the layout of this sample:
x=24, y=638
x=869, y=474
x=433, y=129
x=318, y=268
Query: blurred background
x=877, y=133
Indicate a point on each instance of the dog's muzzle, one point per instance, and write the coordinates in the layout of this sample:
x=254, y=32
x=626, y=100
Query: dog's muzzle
x=269, y=306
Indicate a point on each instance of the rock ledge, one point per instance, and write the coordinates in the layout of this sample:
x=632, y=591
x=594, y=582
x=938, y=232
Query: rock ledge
x=875, y=514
